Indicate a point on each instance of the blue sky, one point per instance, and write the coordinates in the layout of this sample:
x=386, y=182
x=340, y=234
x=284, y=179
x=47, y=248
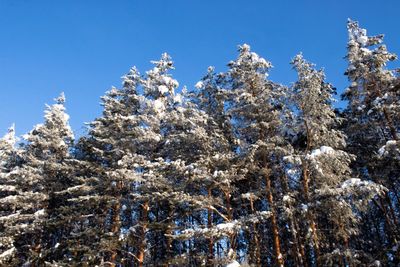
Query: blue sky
x=84, y=47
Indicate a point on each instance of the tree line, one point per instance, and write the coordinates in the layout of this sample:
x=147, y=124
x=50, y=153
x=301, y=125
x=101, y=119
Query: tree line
x=238, y=171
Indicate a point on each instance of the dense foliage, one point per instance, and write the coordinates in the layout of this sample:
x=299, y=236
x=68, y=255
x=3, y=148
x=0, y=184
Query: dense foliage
x=239, y=171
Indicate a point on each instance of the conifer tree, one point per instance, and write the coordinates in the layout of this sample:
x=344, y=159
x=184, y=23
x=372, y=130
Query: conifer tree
x=8, y=161
x=326, y=182
x=256, y=109
x=197, y=141
x=241, y=171
x=43, y=172
x=371, y=120
x=110, y=152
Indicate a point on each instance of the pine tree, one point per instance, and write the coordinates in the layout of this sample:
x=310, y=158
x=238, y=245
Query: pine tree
x=371, y=124
x=110, y=152
x=198, y=144
x=241, y=171
x=156, y=192
x=218, y=159
x=326, y=183
x=8, y=161
x=40, y=175
x=256, y=110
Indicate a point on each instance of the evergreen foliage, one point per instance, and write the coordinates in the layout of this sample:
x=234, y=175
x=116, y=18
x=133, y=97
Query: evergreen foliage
x=238, y=171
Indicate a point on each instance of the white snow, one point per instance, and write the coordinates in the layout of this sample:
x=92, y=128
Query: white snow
x=304, y=207
x=39, y=213
x=248, y=196
x=391, y=143
x=354, y=182
x=351, y=67
x=291, y=172
x=7, y=187
x=292, y=159
x=226, y=226
x=169, y=81
x=362, y=39
x=366, y=51
x=163, y=89
x=178, y=98
x=7, y=253
x=9, y=137
x=383, y=149
x=199, y=85
x=233, y=264
x=351, y=182
x=265, y=213
x=158, y=105
x=286, y=198
x=10, y=216
x=320, y=151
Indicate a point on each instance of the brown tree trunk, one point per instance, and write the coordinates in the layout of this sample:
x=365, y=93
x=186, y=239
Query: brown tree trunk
x=256, y=240
x=232, y=237
x=210, y=257
x=392, y=212
x=310, y=215
x=298, y=248
x=116, y=220
x=306, y=180
x=115, y=228
x=275, y=231
x=303, y=259
x=142, y=240
x=168, y=236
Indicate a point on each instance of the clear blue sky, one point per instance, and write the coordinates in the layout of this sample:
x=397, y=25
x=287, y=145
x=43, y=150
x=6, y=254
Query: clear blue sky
x=83, y=47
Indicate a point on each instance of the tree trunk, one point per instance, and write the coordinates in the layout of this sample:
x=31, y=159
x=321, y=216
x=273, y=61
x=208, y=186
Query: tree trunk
x=116, y=220
x=210, y=257
x=232, y=237
x=297, y=248
x=257, y=252
x=168, y=236
x=275, y=231
x=306, y=180
x=142, y=241
x=310, y=215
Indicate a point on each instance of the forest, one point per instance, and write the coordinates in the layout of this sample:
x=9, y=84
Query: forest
x=237, y=171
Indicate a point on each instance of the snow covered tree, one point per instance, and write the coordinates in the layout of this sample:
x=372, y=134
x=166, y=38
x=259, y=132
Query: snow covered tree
x=124, y=146
x=219, y=162
x=196, y=141
x=156, y=192
x=330, y=196
x=8, y=160
x=110, y=152
x=255, y=106
x=43, y=172
x=241, y=171
x=371, y=121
